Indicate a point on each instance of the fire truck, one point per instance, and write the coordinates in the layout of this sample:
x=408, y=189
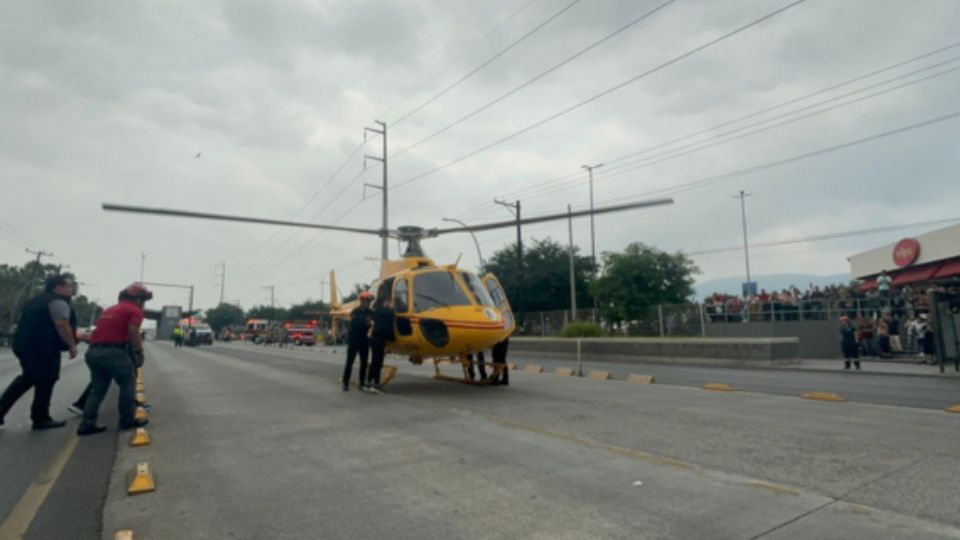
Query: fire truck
x=256, y=330
x=301, y=332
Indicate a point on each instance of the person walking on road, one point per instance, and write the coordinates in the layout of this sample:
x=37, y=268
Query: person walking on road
x=47, y=327
x=358, y=340
x=115, y=350
x=848, y=343
x=177, y=336
x=383, y=321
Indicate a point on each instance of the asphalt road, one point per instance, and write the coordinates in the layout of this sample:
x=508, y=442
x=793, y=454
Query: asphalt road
x=250, y=442
x=933, y=392
x=73, y=507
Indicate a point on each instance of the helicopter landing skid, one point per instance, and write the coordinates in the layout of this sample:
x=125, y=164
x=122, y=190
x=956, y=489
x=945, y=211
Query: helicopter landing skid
x=493, y=372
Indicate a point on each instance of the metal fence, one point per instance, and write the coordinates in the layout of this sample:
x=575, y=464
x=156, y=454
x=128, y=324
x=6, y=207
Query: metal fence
x=691, y=320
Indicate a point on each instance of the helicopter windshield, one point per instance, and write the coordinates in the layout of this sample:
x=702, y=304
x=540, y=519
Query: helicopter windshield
x=437, y=289
x=476, y=287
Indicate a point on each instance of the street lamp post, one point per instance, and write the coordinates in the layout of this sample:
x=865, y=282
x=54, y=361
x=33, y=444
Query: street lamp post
x=143, y=258
x=475, y=242
x=746, y=248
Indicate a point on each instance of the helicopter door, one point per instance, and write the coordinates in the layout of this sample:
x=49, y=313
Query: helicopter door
x=401, y=304
x=500, y=299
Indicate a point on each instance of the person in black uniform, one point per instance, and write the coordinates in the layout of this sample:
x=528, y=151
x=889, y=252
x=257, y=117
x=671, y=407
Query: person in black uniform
x=848, y=343
x=500, y=357
x=383, y=319
x=357, y=340
x=48, y=326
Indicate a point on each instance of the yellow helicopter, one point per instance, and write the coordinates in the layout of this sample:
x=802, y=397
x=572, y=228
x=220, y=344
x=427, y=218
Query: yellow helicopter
x=442, y=312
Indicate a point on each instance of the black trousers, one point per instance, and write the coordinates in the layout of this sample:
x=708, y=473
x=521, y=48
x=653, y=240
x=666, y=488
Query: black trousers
x=109, y=364
x=378, y=347
x=481, y=365
x=500, y=357
x=363, y=349
x=41, y=370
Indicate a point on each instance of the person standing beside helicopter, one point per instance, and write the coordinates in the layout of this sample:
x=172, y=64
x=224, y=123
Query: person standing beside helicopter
x=383, y=319
x=357, y=340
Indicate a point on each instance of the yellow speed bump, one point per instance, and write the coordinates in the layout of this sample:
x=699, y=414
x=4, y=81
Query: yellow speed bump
x=718, y=387
x=141, y=480
x=599, y=375
x=822, y=396
x=954, y=409
x=140, y=438
x=533, y=369
x=123, y=535
x=512, y=366
x=640, y=379
x=141, y=399
x=140, y=414
x=564, y=372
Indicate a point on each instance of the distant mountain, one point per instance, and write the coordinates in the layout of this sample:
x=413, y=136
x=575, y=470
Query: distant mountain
x=769, y=282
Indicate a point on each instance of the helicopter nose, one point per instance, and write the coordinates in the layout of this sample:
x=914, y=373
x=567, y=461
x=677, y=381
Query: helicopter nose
x=435, y=331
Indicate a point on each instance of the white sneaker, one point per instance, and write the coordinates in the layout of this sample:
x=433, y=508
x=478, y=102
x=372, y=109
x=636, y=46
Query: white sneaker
x=375, y=389
x=75, y=410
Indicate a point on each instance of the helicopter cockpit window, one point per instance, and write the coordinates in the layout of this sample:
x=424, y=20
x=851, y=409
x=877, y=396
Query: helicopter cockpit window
x=400, y=296
x=495, y=293
x=437, y=289
x=476, y=287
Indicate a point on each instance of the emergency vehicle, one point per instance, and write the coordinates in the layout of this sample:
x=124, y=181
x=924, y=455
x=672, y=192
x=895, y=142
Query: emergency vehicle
x=301, y=332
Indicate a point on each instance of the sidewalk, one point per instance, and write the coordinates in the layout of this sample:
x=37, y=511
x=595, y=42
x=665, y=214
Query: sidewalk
x=886, y=367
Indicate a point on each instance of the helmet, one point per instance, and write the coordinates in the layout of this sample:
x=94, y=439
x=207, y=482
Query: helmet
x=137, y=291
x=365, y=296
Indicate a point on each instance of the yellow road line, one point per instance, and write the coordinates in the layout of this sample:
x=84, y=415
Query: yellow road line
x=19, y=520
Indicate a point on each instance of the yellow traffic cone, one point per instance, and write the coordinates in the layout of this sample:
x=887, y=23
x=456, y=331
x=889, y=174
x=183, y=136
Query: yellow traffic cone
x=141, y=399
x=139, y=387
x=141, y=480
x=140, y=438
x=141, y=414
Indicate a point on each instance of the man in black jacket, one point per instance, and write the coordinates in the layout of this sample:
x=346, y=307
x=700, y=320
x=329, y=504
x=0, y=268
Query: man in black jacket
x=357, y=340
x=47, y=327
x=383, y=320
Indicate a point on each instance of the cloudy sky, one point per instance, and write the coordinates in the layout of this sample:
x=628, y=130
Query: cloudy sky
x=113, y=101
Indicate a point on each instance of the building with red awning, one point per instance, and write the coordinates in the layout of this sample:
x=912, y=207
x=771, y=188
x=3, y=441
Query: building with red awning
x=926, y=259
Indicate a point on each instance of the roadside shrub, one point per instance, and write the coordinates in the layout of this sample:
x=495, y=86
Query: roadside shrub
x=582, y=329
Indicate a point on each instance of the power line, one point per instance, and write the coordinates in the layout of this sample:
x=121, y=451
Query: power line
x=489, y=61
x=474, y=46
x=600, y=95
x=316, y=193
x=516, y=193
x=827, y=236
x=16, y=233
x=537, y=77
x=719, y=139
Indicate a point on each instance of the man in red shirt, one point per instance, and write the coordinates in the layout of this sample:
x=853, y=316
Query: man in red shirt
x=115, y=339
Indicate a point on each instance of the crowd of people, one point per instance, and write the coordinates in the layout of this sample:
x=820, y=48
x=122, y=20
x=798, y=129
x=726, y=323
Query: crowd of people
x=48, y=327
x=821, y=303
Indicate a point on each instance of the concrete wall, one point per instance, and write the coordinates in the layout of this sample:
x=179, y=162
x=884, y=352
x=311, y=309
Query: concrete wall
x=721, y=351
x=818, y=339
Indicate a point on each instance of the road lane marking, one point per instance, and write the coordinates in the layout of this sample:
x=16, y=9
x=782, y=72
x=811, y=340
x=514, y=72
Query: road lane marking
x=718, y=387
x=822, y=396
x=19, y=520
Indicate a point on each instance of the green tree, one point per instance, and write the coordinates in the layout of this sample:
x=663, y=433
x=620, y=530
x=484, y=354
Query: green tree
x=87, y=310
x=546, y=276
x=224, y=315
x=357, y=289
x=637, y=279
x=307, y=311
x=267, y=312
x=19, y=283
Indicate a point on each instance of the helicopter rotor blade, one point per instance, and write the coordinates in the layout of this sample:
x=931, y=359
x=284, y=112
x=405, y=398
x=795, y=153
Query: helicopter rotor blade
x=224, y=217
x=555, y=217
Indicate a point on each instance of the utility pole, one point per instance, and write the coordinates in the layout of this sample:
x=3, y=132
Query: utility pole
x=515, y=209
x=143, y=258
x=383, y=160
x=573, y=282
x=273, y=297
x=593, y=235
x=746, y=248
x=323, y=285
x=29, y=284
x=223, y=278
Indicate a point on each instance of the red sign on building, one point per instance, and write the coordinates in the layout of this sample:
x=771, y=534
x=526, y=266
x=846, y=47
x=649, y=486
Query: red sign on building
x=906, y=252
